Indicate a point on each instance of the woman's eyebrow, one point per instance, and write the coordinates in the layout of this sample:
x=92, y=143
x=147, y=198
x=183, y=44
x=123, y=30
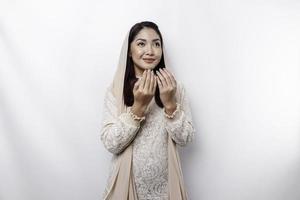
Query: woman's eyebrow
x=144, y=40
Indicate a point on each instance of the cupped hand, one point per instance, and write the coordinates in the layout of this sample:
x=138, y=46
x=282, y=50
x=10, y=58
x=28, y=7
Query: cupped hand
x=144, y=89
x=167, y=87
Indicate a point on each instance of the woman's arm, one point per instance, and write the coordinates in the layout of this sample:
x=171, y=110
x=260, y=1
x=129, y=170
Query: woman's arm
x=117, y=131
x=181, y=127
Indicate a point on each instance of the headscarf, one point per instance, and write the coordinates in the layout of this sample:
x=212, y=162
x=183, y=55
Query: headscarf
x=122, y=186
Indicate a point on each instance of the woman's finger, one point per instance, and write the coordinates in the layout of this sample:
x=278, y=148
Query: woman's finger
x=142, y=84
x=145, y=79
x=173, y=81
x=151, y=82
x=162, y=79
x=146, y=87
x=155, y=84
x=159, y=83
x=136, y=85
x=166, y=76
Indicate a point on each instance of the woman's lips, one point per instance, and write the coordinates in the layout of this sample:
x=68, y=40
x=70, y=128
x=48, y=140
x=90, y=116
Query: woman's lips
x=149, y=60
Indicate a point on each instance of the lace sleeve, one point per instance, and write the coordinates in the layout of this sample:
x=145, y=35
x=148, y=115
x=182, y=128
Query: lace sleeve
x=181, y=126
x=117, y=132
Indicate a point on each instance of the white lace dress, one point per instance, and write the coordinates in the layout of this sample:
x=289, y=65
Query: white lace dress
x=149, y=140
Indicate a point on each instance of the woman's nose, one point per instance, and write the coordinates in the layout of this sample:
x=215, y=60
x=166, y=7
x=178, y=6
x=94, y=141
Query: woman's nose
x=149, y=50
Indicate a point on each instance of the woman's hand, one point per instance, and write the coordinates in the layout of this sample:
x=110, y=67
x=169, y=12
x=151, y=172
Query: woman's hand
x=143, y=91
x=167, y=88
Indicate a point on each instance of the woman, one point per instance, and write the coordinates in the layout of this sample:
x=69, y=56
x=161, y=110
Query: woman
x=146, y=115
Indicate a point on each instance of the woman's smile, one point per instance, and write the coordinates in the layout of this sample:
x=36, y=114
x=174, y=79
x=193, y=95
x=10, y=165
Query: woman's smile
x=149, y=60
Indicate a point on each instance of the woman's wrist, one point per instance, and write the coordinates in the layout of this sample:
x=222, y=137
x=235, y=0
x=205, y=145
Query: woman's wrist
x=171, y=112
x=138, y=110
x=170, y=107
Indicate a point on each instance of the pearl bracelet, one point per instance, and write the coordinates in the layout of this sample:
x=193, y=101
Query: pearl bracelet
x=174, y=113
x=135, y=117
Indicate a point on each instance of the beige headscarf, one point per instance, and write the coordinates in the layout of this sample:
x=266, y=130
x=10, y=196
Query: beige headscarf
x=122, y=186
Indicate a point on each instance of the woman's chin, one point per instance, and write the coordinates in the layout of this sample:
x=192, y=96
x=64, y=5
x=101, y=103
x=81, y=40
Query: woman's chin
x=149, y=66
x=146, y=67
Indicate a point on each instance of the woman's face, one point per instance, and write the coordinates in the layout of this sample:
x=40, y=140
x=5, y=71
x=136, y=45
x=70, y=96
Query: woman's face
x=145, y=50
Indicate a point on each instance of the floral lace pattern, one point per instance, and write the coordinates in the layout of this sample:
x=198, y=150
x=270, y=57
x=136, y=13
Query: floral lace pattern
x=149, y=140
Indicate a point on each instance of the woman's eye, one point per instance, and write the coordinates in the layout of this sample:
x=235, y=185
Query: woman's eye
x=157, y=44
x=141, y=44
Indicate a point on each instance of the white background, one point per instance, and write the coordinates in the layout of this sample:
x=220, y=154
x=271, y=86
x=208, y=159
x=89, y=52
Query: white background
x=239, y=62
